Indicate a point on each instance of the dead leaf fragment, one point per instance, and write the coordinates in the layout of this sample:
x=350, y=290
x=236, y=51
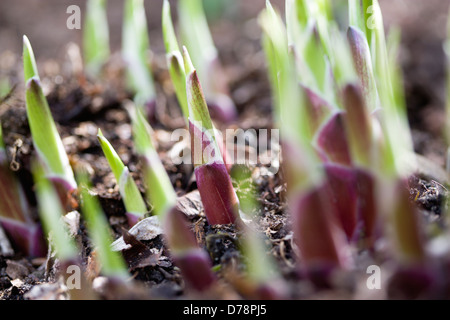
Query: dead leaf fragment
x=144, y=230
x=138, y=255
x=191, y=204
x=72, y=220
x=18, y=269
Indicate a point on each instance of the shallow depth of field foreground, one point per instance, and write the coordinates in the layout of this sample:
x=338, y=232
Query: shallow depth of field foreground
x=224, y=149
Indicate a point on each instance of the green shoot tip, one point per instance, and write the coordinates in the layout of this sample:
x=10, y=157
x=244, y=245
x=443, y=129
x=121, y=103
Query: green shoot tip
x=188, y=66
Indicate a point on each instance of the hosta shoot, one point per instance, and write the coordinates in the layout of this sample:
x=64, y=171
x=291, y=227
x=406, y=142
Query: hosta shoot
x=51, y=213
x=160, y=191
x=396, y=150
x=193, y=261
x=112, y=263
x=136, y=51
x=132, y=198
x=175, y=64
x=311, y=209
x=24, y=233
x=66, y=251
x=46, y=139
x=213, y=180
x=174, y=59
x=96, y=36
x=198, y=40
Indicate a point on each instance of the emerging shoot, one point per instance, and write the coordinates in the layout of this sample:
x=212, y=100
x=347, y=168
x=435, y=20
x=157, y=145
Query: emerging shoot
x=214, y=183
x=96, y=36
x=198, y=40
x=174, y=59
x=193, y=261
x=24, y=233
x=46, y=139
x=111, y=262
x=135, y=51
x=132, y=198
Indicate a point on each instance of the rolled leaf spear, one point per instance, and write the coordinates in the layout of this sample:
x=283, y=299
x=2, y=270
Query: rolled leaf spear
x=388, y=147
x=96, y=50
x=46, y=139
x=213, y=180
x=193, y=261
x=198, y=39
x=135, y=49
x=177, y=72
x=51, y=213
x=132, y=199
x=310, y=206
x=415, y=268
x=346, y=144
x=174, y=59
x=25, y=233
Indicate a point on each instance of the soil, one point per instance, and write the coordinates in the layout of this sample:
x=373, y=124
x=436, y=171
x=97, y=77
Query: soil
x=80, y=106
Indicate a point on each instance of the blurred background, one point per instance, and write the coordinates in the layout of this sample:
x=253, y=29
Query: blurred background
x=44, y=21
x=233, y=23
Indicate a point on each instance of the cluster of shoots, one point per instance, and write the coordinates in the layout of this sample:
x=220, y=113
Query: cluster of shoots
x=54, y=178
x=54, y=183
x=218, y=196
x=338, y=101
x=135, y=49
x=345, y=138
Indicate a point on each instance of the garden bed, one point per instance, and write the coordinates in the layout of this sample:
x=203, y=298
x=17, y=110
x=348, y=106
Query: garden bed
x=81, y=105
